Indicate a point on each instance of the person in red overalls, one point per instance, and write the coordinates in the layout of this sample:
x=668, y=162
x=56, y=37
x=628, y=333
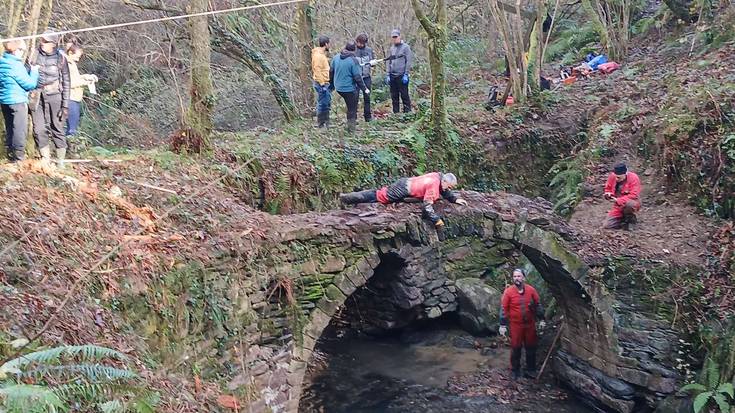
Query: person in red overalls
x=623, y=188
x=520, y=308
x=429, y=188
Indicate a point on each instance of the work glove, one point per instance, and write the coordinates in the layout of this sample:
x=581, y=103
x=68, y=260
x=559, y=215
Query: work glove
x=503, y=330
x=542, y=325
x=373, y=62
x=367, y=91
x=439, y=224
x=63, y=114
x=461, y=202
x=405, y=79
x=387, y=79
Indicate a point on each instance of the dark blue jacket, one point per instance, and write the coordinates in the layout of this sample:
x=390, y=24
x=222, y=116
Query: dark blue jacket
x=345, y=73
x=15, y=81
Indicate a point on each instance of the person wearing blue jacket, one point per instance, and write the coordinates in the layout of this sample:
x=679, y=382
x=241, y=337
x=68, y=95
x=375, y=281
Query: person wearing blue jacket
x=345, y=76
x=15, y=83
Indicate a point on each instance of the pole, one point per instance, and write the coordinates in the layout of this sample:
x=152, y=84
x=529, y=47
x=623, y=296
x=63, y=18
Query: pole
x=551, y=349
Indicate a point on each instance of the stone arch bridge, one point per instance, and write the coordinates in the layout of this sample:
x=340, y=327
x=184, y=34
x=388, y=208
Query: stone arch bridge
x=312, y=262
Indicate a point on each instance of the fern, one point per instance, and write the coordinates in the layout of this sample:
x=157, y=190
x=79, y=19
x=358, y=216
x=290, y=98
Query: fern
x=87, y=382
x=87, y=352
x=93, y=372
x=23, y=398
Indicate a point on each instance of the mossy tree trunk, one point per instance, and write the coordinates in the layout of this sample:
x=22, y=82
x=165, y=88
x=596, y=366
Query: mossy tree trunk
x=201, y=105
x=234, y=45
x=305, y=34
x=535, y=51
x=435, y=25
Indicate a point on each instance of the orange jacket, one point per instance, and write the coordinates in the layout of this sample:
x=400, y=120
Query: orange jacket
x=518, y=307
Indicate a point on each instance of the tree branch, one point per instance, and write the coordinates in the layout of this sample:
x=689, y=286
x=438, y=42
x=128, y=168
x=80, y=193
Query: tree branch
x=421, y=16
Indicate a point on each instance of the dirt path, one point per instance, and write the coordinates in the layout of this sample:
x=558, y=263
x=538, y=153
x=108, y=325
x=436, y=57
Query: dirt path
x=668, y=227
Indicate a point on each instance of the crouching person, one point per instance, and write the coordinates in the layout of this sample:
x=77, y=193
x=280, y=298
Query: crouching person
x=623, y=189
x=429, y=187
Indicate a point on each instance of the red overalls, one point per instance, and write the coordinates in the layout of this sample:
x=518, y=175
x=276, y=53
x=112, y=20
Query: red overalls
x=629, y=193
x=519, y=309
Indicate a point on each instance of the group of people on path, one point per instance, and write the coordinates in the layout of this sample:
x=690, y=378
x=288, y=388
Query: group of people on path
x=350, y=74
x=49, y=88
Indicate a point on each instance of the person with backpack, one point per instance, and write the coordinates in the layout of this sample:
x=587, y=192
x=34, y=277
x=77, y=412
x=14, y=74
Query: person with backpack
x=345, y=76
x=15, y=83
x=400, y=62
x=49, y=103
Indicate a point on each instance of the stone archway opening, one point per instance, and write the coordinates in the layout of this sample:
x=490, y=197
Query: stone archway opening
x=414, y=330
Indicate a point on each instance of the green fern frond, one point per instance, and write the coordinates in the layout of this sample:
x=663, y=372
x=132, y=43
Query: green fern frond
x=113, y=406
x=91, y=372
x=93, y=392
x=23, y=398
x=87, y=352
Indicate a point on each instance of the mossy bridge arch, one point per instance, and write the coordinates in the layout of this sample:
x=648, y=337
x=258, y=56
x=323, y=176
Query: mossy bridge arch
x=314, y=262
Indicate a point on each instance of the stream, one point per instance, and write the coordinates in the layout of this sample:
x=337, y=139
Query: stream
x=439, y=369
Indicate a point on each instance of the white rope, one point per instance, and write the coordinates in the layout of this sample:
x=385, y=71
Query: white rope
x=161, y=19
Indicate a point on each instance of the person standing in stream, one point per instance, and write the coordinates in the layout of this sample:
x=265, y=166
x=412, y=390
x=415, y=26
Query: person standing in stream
x=345, y=76
x=521, y=307
x=400, y=63
x=49, y=104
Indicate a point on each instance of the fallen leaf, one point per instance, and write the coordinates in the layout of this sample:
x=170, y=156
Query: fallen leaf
x=228, y=402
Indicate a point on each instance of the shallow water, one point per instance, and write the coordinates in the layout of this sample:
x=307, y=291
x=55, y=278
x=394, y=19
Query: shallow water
x=425, y=371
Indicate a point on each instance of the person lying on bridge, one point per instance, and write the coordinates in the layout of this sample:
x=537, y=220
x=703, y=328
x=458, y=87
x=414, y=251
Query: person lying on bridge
x=623, y=189
x=521, y=306
x=429, y=188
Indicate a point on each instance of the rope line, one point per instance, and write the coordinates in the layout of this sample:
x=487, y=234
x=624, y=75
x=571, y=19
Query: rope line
x=160, y=19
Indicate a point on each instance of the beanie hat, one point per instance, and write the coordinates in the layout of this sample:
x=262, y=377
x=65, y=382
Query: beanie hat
x=620, y=169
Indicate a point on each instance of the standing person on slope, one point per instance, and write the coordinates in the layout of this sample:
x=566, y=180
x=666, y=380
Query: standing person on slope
x=345, y=76
x=49, y=104
x=15, y=83
x=400, y=63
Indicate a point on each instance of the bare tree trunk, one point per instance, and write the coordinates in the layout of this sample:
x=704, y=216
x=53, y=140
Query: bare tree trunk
x=14, y=12
x=436, y=30
x=537, y=52
x=201, y=106
x=611, y=19
x=509, y=22
x=305, y=33
x=236, y=47
x=33, y=23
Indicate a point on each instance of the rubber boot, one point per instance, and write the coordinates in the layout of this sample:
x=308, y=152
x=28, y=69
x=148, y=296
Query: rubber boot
x=321, y=120
x=19, y=155
x=351, y=126
x=45, y=154
x=60, y=156
x=326, y=120
x=361, y=197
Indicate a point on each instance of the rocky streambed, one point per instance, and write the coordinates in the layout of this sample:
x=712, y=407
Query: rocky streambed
x=428, y=369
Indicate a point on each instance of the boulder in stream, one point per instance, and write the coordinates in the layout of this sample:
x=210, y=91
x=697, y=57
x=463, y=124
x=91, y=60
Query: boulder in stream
x=479, y=305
